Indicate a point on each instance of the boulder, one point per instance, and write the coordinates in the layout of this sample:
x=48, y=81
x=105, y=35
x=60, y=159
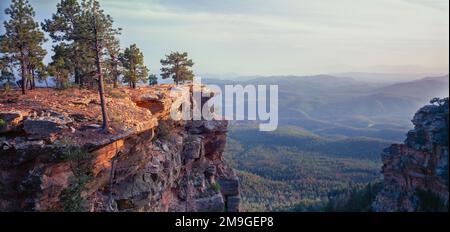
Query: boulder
x=214, y=203
x=45, y=126
x=9, y=121
x=229, y=187
x=193, y=148
x=210, y=126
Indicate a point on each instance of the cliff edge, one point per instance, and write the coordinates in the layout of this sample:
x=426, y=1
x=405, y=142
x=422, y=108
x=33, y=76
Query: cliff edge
x=53, y=157
x=416, y=172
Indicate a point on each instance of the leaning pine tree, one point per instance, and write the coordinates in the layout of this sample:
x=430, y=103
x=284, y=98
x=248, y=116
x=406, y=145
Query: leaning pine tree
x=22, y=38
x=97, y=29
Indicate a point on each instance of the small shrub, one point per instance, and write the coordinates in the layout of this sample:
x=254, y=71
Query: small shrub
x=79, y=160
x=116, y=93
x=2, y=122
x=71, y=199
x=216, y=187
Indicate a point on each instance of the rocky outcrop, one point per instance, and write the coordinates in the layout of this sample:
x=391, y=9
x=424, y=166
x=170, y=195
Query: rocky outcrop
x=416, y=172
x=9, y=121
x=53, y=158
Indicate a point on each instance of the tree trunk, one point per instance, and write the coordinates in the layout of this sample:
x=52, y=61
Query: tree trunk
x=133, y=69
x=77, y=75
x=29, y=78
x=115, y=76
x=33, y=83
x=177, y=78
x=24, y=71
x=105, y=125
x=81, y=80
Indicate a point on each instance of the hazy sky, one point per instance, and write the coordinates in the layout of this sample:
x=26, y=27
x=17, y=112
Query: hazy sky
x=269, y=37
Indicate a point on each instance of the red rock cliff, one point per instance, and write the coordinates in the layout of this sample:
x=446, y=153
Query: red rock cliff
x=416, y=172
x=52, y=157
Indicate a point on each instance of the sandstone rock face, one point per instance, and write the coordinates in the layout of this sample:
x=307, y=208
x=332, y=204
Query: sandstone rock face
x=58, y=162
x=418, y=165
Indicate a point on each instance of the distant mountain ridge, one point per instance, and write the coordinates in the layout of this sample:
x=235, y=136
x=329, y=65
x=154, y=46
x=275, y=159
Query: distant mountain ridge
x=342, y=106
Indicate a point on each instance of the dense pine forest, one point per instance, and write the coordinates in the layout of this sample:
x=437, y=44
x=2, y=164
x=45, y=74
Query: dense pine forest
x=294, y=170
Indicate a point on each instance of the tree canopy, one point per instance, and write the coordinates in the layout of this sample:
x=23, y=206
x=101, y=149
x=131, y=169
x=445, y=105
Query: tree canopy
x=133, y=64
x=86, y=48
x=23, y=40
x=178, y=67
x=152, y=79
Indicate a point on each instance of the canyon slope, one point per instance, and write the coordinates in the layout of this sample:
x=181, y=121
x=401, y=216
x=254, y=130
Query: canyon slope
x=53, y=157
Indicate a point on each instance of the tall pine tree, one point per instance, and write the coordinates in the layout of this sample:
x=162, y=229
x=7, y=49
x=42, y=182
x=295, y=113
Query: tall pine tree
x=22, y=38
x=65, y=28
x=36, y=66
x=113, y=62
x=60, y=66
x=96, y=31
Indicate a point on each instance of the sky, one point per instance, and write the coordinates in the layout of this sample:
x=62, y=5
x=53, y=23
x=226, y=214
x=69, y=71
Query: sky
x=283, y=37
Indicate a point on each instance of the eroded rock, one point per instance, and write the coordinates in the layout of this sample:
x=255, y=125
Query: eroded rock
x=130, y=169
x=10, y=121
x=420, y=165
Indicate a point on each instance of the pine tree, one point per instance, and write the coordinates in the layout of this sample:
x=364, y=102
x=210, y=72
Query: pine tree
x=65, y=28
x=36, y=67
x=22, y=37
x=97, y=29
x=133, y=63
x=178, y=67
x=60, y=67
x=6, y=71
x=113, y=62
x=152, y=79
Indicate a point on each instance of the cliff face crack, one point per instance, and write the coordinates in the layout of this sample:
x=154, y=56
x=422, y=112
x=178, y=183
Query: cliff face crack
x=110, y=207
